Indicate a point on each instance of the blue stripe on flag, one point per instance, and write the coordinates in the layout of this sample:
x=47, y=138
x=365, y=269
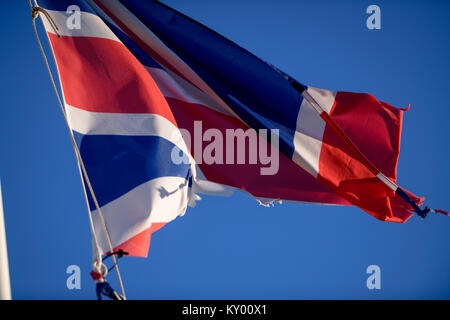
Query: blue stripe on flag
x=228, y=69
x=117, y=164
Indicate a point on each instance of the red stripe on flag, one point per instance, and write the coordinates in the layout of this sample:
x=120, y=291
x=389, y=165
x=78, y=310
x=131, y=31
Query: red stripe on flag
x=138, y=245
x=149, y=50
x=101, y=75
x=290, y=183
x=375, y=129
x=443, y=212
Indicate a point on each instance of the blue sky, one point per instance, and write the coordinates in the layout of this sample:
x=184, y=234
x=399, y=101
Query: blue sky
x=232, y=248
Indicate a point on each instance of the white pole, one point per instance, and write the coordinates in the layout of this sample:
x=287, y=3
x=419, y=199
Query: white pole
x=5, y=288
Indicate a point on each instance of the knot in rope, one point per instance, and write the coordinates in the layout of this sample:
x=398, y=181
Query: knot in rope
x=35, y=10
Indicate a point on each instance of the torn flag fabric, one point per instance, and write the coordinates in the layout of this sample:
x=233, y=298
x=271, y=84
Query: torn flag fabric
x=163, y=108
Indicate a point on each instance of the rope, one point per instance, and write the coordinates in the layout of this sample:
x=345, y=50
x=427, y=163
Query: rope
x=35, y=13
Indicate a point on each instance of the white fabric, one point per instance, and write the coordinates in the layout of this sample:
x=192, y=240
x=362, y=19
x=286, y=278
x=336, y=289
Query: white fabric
x=310, y=129
x=128, y=124
x=158, y=200
x=90, y=26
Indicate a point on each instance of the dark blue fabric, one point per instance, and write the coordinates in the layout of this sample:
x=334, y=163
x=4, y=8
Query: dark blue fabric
x=62, y=5
x=232, y=72
x=117, y=164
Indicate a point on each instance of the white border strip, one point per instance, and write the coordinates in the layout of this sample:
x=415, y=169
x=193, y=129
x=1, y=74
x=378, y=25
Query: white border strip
x=91, y=25
x=127, y=124
x=309, y=132
x=173, y=86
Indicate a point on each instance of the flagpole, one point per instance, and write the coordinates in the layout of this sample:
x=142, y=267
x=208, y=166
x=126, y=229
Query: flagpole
x=5, y=287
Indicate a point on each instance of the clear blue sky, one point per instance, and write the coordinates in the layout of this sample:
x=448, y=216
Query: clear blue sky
x=232, y=248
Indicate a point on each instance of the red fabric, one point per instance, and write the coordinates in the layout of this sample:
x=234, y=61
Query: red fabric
x=443, y=212
x=96, y=275
x=152, y=53
x=375, y=128
x=106, y=65
x=290, y=183
x=138, y=245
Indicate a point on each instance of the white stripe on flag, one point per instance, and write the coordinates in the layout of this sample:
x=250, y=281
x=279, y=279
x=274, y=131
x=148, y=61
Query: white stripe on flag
x=173, y=86
x=158, y=200
x=90, y=26
x=128, y=124
x=310, y=129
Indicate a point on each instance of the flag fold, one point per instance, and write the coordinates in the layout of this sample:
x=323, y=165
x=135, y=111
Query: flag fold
x=163, y=108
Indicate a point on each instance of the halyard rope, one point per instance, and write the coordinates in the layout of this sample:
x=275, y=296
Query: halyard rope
x=35, y=10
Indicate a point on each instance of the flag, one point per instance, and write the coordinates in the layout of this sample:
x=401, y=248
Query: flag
x=163, y=108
